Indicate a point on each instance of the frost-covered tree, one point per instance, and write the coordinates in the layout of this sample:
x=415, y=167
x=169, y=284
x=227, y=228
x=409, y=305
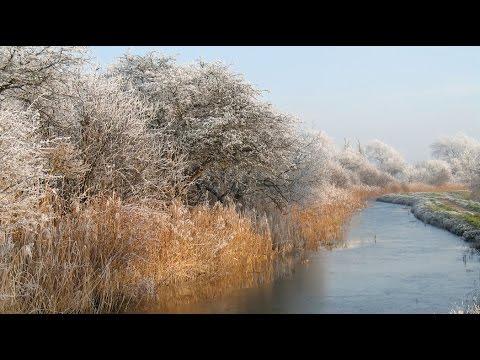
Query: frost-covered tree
x=449, y=148
x=36, y=69
x=431, y=172
x=40, y=77
x=359, y=171
x=314, y=165
x=235, y=144
x=385, y=158
x=470, y=173
x=458, y=150
x=474, y=175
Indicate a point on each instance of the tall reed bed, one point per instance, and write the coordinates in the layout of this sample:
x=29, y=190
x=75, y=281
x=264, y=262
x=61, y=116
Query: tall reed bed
x=107, y=256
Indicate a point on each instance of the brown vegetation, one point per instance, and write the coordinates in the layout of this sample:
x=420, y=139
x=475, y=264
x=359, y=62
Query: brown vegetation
x=109, y=256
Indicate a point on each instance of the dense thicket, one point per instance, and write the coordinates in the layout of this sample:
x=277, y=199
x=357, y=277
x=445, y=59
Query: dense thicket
x=149, y=127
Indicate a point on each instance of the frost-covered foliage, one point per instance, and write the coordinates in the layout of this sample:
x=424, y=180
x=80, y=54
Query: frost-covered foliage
x=106, y=136
x=459, y=151
x=462, y=153
x=474, y=175
x=36, y=70
x=40, y=76
x=236, y=145
x=314, y=166
x=355, y=169
x=450, y=148
x=385, y=158
x=431, y=172
x=151, y=127
x=21, y=166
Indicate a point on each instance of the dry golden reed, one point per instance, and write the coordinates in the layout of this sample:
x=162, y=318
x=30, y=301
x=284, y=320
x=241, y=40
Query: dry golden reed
x=106, y=256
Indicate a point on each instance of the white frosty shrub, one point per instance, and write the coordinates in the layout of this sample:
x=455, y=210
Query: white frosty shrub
x=360, y=171
x=385, y=158
x=431, y=172
x=21, y=166
x=108, y=145
x=473, y=174
x=458, y=151
x=314, y=161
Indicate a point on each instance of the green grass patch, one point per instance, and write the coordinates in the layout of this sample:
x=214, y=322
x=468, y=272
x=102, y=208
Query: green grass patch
x=460, y=194
x=438, y=194
x=441, y=207
x=474, y=205
x=472, y=219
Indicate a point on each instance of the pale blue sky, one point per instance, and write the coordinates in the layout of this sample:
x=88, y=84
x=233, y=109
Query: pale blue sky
x=405, y=96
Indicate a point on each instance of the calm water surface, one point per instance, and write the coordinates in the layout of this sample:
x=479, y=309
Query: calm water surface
x=390, y=263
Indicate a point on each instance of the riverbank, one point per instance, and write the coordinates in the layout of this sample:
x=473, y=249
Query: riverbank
x=454, y=211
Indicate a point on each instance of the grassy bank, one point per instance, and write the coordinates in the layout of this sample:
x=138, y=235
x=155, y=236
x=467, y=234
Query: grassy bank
x=455, y=211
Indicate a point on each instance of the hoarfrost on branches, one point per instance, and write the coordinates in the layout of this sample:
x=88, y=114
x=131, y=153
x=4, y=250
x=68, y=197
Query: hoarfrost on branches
x=431, y=172
x=236, y=146
x=22, y=169
x=459, y=151
x=150, y=127
x=385, y=158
